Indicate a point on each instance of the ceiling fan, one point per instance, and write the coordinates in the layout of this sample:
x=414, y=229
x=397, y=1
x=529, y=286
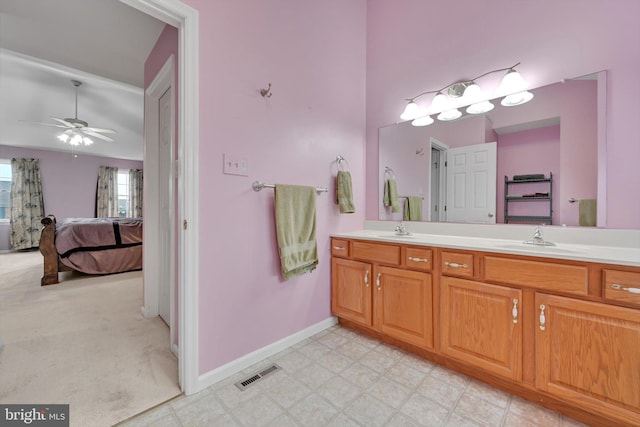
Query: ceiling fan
x=78, y=131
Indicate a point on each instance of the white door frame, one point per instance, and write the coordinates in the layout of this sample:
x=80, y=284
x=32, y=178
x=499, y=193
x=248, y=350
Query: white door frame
x=185, y=19
x=442, y=190
x=152, y=252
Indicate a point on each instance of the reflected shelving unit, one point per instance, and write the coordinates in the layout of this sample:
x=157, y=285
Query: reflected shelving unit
x=544, y=195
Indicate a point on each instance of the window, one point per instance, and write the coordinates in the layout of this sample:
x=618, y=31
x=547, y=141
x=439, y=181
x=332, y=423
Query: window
x=5, y=189
x=123, y=193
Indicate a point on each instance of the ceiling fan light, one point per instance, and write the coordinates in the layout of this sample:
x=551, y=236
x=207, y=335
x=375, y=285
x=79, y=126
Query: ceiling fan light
x=422, y=121
x=87, y=141
x=453, y=114
x=75, y=140
x=480, y=107
x=63, y=137
x=411, y=111
x=517, y=99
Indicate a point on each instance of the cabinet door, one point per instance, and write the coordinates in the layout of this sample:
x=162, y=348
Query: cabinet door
x=351, y=290
x=589, y=353
x=403, y=305
x=481, y=325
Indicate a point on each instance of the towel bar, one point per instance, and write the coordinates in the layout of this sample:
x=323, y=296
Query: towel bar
x=257, y=186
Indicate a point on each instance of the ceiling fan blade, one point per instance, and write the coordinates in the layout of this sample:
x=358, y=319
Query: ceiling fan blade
x=97, y=135
x=92, y=129
x=45, y=124
x=64, y=122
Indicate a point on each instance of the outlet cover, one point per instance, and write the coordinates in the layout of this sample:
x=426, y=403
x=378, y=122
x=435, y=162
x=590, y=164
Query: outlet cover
x=235, y=164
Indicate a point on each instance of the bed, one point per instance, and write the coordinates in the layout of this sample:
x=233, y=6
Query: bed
x=90, y=246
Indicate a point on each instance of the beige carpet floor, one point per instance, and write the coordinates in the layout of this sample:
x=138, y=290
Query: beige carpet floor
x=81, y=342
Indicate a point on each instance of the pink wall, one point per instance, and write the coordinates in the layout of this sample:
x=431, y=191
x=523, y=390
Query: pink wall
x=568, y=47
x=68, y=183
x=313, y=53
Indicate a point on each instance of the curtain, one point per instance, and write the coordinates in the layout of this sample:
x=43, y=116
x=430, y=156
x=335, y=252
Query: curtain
x=26, y=205
x=107, y=192
x=135, y=192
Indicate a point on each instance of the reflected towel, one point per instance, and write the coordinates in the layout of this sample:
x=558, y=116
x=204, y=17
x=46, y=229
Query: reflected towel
x=391, y=195
x=588, y=212
x=344, y=193
x=295, y=209
x=413, y=208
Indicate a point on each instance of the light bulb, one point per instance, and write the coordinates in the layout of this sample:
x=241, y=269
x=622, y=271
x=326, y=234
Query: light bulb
x=473, y=94
x=480, y=107
x=517, y=99
x=440, y=103
x=449, y=115
x=512, y=82
x=87, y=141
x=411, y=111
x=422, y=121
x=63, y=137
x=76, y=140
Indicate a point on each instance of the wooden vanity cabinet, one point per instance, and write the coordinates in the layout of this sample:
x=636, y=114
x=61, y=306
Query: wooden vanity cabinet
x=589, y=353
x=562, y=333
x=376, y=290
x=481, y=324
x=351, y=290
x=403, y=305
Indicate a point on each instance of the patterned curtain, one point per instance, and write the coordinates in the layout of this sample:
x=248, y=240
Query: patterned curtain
x=135, y=192
x=26, y=203
x=107, y=192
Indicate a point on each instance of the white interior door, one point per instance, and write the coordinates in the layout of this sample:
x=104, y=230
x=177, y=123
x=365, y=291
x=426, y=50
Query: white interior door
x=471, y=183
x=165, y=133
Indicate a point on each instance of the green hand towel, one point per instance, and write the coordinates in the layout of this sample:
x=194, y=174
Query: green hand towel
x=588, y=212
x=344, y=194
x=413, y=208
x=295, y=209
x=391, y=195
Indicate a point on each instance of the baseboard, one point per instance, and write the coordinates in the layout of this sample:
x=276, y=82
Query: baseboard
x=225, y=371
x=175, y=350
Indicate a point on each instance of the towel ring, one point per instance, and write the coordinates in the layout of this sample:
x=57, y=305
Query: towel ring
x=340, y=159
x=389, y=171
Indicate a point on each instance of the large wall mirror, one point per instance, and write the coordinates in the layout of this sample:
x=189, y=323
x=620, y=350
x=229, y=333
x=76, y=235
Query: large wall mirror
x=459, y=168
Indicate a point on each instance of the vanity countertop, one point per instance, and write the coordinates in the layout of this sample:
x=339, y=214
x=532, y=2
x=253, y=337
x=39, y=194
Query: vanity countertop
x=591, y=253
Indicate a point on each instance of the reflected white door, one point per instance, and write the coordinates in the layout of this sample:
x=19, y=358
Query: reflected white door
x=165, y=133
x=471, y=183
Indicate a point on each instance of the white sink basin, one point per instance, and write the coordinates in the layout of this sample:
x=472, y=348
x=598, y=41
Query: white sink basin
x=538, y=248
x=395, y=236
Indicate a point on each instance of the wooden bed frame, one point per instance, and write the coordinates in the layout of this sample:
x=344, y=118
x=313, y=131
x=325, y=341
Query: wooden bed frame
x=52, y=264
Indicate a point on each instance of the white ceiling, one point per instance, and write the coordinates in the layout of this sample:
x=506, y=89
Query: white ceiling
x=45, y=44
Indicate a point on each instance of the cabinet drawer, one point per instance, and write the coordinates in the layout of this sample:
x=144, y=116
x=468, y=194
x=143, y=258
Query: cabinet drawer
x=340, y=247
x=540, y=275
x=457, y=264
x=375, y=252
x=618, y=285
x=418, y=258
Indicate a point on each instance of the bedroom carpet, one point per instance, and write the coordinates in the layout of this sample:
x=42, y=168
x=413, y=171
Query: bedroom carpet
x=81, y=342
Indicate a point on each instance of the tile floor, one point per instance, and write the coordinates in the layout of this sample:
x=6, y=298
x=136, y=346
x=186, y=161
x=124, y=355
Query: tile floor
x=341, y=378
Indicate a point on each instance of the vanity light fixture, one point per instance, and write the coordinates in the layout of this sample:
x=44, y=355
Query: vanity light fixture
x=470, y=94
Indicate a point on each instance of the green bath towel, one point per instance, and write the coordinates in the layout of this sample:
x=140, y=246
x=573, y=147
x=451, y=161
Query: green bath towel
x=413, y=208
x=391, y=195
x=344, y=193
x=295, y=209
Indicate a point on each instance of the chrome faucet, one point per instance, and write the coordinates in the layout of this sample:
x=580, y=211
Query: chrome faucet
x=401, y=230
x=538, y=239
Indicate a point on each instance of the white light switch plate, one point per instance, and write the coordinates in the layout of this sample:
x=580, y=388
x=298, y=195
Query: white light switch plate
x=235, y=164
